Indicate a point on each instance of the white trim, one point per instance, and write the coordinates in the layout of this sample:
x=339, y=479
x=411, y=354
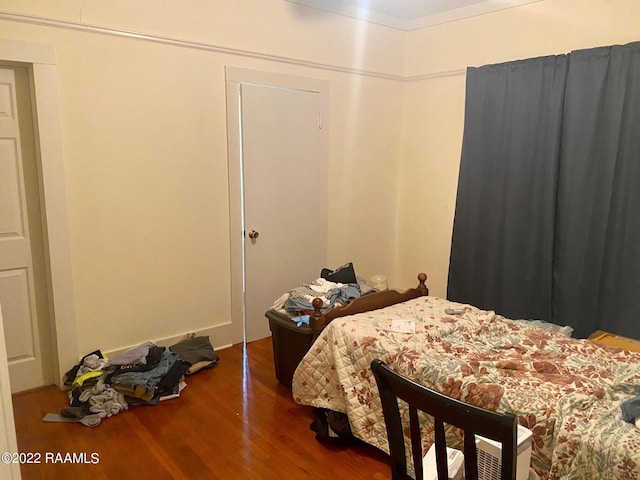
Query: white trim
x=444, y=73
x=234, y=78
x=235, y=204
x=488, y=6
x=282, y=80
x=8, y=441
x=212, y=332
x=48, y=143
x=386, y=20
x=34, y=20
x=17, y=51
x=37, y=54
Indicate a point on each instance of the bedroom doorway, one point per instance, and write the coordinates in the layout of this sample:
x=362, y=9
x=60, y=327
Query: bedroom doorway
x=23, y=286
x=278, y=183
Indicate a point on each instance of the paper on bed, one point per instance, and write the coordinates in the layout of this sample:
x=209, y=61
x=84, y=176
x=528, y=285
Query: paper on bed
x=401, y=325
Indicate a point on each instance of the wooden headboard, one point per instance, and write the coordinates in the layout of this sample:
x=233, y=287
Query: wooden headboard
x=318, y=320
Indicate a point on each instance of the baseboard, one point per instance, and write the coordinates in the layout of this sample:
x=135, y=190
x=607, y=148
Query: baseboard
x=220, y=337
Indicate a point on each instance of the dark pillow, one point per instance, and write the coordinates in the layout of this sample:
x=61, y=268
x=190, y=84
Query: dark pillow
x=343, y=274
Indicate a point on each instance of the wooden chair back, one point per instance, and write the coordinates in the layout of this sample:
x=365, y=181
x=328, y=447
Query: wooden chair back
x=472, y=420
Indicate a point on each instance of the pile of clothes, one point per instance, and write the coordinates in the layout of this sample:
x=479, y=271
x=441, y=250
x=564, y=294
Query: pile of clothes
x=332, y=295
x=334, y=287
x=142, y=375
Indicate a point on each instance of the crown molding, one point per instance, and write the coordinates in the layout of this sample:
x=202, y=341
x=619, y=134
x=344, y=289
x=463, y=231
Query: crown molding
x=380, y=18
x=182, y=43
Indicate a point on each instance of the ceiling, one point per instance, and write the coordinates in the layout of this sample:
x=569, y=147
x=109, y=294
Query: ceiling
x=411, y=14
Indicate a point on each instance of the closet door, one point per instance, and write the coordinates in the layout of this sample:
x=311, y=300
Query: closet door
x=23, y=291
x=284, y=179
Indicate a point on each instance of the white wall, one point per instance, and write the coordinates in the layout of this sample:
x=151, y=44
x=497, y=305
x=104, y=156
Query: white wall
x=144, y=138
x=434, y=115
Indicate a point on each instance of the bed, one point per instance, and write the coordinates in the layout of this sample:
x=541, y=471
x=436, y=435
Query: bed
x=567, y=391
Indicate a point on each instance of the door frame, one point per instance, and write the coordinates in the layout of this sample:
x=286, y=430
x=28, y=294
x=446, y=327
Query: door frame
x=41, y=62
x=234, y=78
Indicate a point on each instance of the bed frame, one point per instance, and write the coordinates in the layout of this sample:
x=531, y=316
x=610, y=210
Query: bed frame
x=318, y=319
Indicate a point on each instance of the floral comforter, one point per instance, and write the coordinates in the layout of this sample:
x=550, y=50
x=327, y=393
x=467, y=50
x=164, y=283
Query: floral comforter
x=568, y=392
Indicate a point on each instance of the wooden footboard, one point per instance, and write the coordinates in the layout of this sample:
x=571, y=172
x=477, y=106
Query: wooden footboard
x=318, y=320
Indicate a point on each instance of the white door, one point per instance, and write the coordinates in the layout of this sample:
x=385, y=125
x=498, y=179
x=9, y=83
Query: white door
x=8, y=441
x=284, y=164
x=23, y=293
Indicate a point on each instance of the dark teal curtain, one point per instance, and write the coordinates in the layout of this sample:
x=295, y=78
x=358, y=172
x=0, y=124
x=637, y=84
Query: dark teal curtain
x=597, y=254
x=547, y=222
x=502, y=245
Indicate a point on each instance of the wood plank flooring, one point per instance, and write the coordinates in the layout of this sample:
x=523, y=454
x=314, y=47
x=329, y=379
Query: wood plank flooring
x=233, y=422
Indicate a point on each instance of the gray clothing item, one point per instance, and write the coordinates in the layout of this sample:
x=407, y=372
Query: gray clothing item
x=194, y=350
x=54, y=417
x=149, y=379
x=87, y=420
x=631, y=409
x=91, y=363
x=300, y=297
x=133, y=356
x=103, y=400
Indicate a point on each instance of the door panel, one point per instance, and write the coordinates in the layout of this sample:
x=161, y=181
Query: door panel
x=22, y=284
x=283, y=165
x=14, y=286
x=10, y=224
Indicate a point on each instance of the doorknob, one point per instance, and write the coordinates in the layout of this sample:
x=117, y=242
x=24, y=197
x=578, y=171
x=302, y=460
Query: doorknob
x=253, y=234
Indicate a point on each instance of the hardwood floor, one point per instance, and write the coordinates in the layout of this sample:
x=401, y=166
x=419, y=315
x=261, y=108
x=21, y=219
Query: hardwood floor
x=233, y=422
